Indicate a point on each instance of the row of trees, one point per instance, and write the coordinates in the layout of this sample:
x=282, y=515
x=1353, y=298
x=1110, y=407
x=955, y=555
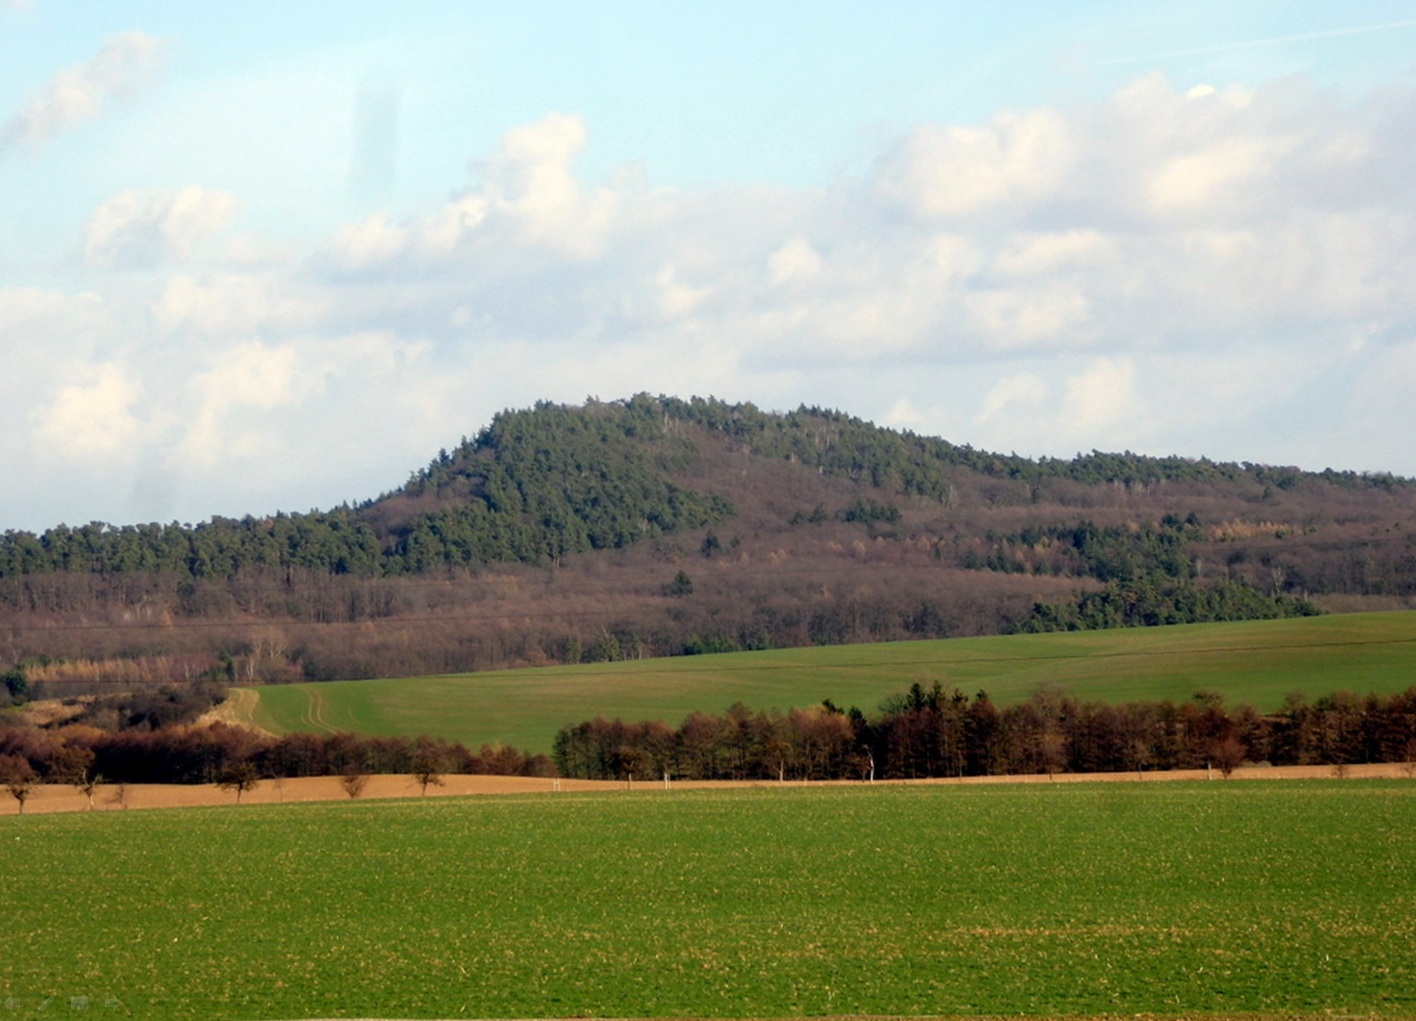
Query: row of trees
x=942, y=733
x=208, y=754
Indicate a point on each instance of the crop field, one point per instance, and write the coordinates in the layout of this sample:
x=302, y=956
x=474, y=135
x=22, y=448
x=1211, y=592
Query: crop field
x=1278, y=898
x=1258, y=663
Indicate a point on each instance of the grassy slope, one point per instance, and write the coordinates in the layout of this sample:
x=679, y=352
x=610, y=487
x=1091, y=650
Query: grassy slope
x=1117, y=899
x=1254, y=662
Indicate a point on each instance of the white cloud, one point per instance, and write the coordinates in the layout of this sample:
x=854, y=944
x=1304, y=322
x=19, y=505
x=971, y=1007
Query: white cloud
x=126, y=63
x=1020, y=394
x=140, y=229
x=93, y=419
x=249, y=394
x=238, y=304
x=527, y=197
x=1102, y=399
x=1167, y=270
x=1200, y=179
x=947, y=171
x=795, y=261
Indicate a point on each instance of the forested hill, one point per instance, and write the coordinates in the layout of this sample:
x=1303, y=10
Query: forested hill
x=655, y=526
x=538, y=484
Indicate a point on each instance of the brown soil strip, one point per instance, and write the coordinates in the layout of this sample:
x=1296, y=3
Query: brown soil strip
x=110, y=798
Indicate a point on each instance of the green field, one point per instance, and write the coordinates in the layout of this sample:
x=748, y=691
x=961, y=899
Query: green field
x=1258, y=663
x=1277, y=897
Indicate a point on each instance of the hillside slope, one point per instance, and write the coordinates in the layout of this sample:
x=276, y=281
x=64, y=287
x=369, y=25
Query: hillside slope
x=1258, y=663
x=657, y=526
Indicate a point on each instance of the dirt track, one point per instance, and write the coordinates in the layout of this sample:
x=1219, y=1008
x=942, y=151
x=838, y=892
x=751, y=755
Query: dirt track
x=327, y=788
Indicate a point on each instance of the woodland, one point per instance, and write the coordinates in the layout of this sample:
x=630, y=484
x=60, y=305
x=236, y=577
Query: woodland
x=659, y=526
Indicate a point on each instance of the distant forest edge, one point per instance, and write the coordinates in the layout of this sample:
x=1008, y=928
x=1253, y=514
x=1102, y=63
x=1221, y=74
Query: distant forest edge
x=659, y=526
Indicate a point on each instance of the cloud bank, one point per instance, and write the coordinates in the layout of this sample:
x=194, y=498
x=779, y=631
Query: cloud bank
x=1210, y=271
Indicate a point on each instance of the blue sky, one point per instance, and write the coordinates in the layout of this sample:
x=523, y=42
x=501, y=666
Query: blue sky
x=274, y=255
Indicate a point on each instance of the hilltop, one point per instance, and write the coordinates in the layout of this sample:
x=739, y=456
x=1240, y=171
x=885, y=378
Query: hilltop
x=659, y=526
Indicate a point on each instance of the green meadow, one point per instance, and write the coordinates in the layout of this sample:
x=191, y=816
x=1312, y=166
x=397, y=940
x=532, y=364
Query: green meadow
x=1256, y=662
x=1271, y=897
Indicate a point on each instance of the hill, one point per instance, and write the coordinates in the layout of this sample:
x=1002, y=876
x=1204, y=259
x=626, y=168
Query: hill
x=658, y=526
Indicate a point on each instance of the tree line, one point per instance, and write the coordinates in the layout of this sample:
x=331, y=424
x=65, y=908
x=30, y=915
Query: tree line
x=193, y=754
x=938, y=732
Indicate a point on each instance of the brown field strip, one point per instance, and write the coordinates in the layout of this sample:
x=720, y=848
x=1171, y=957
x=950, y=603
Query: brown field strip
x=58, y=798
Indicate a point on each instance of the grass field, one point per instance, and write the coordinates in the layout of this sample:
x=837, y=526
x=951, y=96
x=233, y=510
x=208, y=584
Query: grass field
x=1293, y=897
x=1252, y=662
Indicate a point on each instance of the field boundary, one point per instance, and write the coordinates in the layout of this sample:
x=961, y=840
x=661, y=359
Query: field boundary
x=56, y=798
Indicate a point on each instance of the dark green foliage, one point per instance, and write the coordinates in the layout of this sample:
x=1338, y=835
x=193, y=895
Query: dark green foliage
x=221, y=548
x=1156, y=599
x=14, y=687
x=1106, y=554
x=904, y=462
x=555, y=480
x=870, y=512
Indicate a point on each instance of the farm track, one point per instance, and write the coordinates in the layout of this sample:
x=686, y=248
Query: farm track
x=327, y=788
x=314, y=715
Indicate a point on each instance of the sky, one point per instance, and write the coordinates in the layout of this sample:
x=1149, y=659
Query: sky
x=274, y=256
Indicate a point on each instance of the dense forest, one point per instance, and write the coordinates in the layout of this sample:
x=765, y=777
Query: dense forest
x=660, y=526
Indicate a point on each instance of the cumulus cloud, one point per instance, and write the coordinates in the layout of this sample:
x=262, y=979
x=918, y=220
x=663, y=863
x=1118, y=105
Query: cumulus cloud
x=93, y=418
x=952, y=171
x=1170, y=269
x=248, y=395
x=125, y=65
x=1109, y=237
x=140, y=229
x=527, y=197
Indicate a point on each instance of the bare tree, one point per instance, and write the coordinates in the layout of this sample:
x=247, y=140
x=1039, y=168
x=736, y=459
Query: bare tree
x=354, y=783
x=88, y=784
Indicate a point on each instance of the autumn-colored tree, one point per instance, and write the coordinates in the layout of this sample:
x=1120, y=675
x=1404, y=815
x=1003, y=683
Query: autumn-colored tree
x=239, y=777
x=19, y=778
x=428, y=765
x=1228, y=754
